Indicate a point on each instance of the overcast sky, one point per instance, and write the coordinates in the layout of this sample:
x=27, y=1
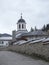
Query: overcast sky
x=35, y=13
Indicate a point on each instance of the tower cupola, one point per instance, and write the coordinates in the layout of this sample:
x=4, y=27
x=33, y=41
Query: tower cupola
x=21, y=24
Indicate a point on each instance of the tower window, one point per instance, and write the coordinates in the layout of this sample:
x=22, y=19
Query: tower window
x=22, y=26
x=19, y=26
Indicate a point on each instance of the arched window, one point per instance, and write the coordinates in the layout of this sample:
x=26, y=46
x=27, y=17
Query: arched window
x=19, y=26
x=22, y=26
x=2, y=42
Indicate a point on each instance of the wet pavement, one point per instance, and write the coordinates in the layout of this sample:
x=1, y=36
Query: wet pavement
x=11, y=58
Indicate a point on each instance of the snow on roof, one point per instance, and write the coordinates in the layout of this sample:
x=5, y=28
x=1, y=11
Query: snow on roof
x=47, y=39
x=18, y=35
x=5, y=38
x=40, y=40
x=35, y=41
x=32, y=41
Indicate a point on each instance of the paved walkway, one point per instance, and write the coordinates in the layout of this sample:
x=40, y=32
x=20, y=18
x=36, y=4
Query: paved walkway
x=10, y=58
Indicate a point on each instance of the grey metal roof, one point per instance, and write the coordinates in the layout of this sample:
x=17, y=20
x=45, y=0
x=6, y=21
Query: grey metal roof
x=34, y=33
x=21, y=21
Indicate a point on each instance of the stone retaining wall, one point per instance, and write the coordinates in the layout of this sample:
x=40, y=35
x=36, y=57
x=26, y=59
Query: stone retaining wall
x=39, y=49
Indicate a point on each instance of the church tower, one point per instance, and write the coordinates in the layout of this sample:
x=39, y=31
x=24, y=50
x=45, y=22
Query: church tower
x=21, y=28
x=21, y=24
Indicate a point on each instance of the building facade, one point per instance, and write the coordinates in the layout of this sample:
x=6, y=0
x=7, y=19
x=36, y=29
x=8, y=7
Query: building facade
x=22, y=35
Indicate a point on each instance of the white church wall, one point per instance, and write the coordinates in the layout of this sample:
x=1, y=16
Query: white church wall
x=21, y=26
x=18, y=26
x=4, y=43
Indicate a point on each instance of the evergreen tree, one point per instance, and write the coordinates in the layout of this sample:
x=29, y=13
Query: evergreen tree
x=32, y=29
x=36, y=28
x=47, y=27
x=44, y=28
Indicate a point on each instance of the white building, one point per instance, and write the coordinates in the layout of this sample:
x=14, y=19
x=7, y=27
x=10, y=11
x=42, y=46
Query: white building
x=5, y=39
